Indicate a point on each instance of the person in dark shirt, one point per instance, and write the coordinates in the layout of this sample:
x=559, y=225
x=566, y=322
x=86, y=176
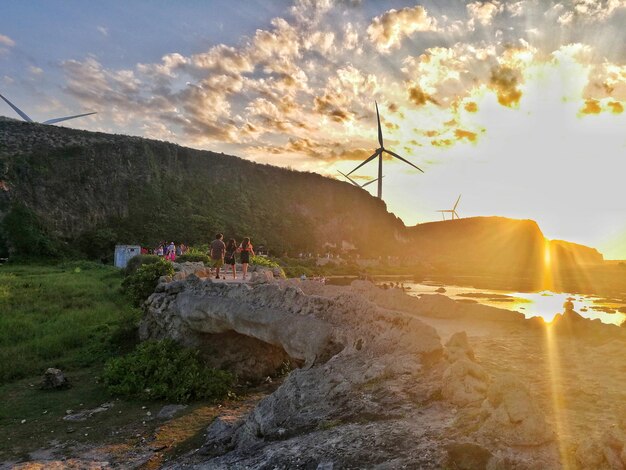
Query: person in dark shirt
x=229, y=258
x=217, y=253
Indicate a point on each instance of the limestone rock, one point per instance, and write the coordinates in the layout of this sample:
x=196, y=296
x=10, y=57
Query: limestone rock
x=54, y=379
x=464, y=382
x=168, y=411
x=261, y=277
x=458, y=347
x=512, y=416
x=467, y=456
x=607, y=451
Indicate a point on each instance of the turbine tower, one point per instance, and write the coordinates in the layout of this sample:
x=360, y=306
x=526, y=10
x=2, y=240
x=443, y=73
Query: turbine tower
x=26, y=118
x=357, y=184
x=379, y=153
x=451, y=211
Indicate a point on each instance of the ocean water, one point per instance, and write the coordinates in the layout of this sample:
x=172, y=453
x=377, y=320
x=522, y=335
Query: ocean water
x=544, y=304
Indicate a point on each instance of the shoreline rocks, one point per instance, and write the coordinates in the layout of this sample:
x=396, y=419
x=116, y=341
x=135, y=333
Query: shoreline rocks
x=375, y=384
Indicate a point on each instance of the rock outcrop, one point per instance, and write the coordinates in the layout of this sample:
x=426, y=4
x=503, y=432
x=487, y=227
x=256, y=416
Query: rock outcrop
x=375, y=387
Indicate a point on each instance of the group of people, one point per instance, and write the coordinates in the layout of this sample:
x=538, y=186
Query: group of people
x=170, y=251
x=225, y=254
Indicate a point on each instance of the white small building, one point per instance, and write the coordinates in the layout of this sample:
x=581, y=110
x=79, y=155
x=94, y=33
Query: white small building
x=125, y=252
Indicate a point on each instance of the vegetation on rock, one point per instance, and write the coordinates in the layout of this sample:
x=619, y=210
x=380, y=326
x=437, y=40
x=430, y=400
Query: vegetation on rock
x=138, y=261
x=141, y=284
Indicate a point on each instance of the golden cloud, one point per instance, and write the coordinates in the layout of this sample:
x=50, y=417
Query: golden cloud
x=591, y=107
x=419, y=97
x=442, y=143
x=461, y=134
x=471, y=107
x=387, y=30
x=616, y=107
x=504, y=81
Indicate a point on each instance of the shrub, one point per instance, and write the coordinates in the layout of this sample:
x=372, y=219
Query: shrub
x=263, y=261
x=25, y=235
x=137, y=261
x=140, y=285
x=193, y=257
x=98, y=244
x=163, y=370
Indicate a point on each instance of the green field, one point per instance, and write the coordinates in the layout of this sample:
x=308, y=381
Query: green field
x=67, y=316
x=71, y=316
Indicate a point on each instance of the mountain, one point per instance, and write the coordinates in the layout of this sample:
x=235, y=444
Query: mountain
x=572, y=254
x=494, y=245
x=62, y=186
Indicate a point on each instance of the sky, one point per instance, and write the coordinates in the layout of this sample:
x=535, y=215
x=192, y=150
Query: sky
x=516, y=105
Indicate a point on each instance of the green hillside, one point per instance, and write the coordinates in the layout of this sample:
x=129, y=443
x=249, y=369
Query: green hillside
x=63, y=189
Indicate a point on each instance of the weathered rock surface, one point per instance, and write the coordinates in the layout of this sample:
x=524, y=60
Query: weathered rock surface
x=377, y=388
x=54, y=379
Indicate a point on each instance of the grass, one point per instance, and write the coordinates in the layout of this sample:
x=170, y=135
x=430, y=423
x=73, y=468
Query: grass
x=68, y=316
x=73, y=316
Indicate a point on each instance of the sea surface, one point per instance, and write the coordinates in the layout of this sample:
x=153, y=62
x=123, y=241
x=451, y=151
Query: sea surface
x=544, y=304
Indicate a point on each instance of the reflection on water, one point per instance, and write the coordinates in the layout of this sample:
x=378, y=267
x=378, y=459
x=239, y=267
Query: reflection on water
x=532, y=304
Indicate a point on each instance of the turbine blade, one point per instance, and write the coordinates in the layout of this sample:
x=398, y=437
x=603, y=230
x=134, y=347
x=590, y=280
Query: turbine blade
x=17, y=110
x=457, y=202
x=350, y=179
x=369, y=182
x=366, y=161
x=403, y=159
x=52, y=121
x=380, y=131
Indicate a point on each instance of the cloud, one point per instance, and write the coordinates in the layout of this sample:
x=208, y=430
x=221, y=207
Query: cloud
x=616, y=107
x=471, y=107
x=102, y=30
x=389, y=29
x=6, y=41
x=35, y=70
x=418, y=97
x=483, y=12
x=461, y=134
x=504, y=81
x=304, y=88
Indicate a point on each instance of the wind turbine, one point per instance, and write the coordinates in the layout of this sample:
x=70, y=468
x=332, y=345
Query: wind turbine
x=379, y=153
x=355, y=183
x=451, y=211
x=49, y=121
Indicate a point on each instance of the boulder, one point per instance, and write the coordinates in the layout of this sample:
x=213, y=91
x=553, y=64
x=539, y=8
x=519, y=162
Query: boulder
x=458, y=347
x=464, y=382
x=512, y=416
x=54, y=379
x=261, y=277
x=607, y=451
x=169, y=411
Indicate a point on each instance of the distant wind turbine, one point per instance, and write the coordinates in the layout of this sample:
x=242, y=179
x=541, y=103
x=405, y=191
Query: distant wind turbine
x=451, y=211
x=379, y=153
x=357, y=184
x=49, y=121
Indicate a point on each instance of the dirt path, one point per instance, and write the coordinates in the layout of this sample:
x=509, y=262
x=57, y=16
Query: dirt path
x=149, y=450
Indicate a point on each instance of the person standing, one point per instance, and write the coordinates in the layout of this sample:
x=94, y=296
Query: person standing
x=171, y=252
x=229, y=258
x=246, y=251
x=217, y=253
